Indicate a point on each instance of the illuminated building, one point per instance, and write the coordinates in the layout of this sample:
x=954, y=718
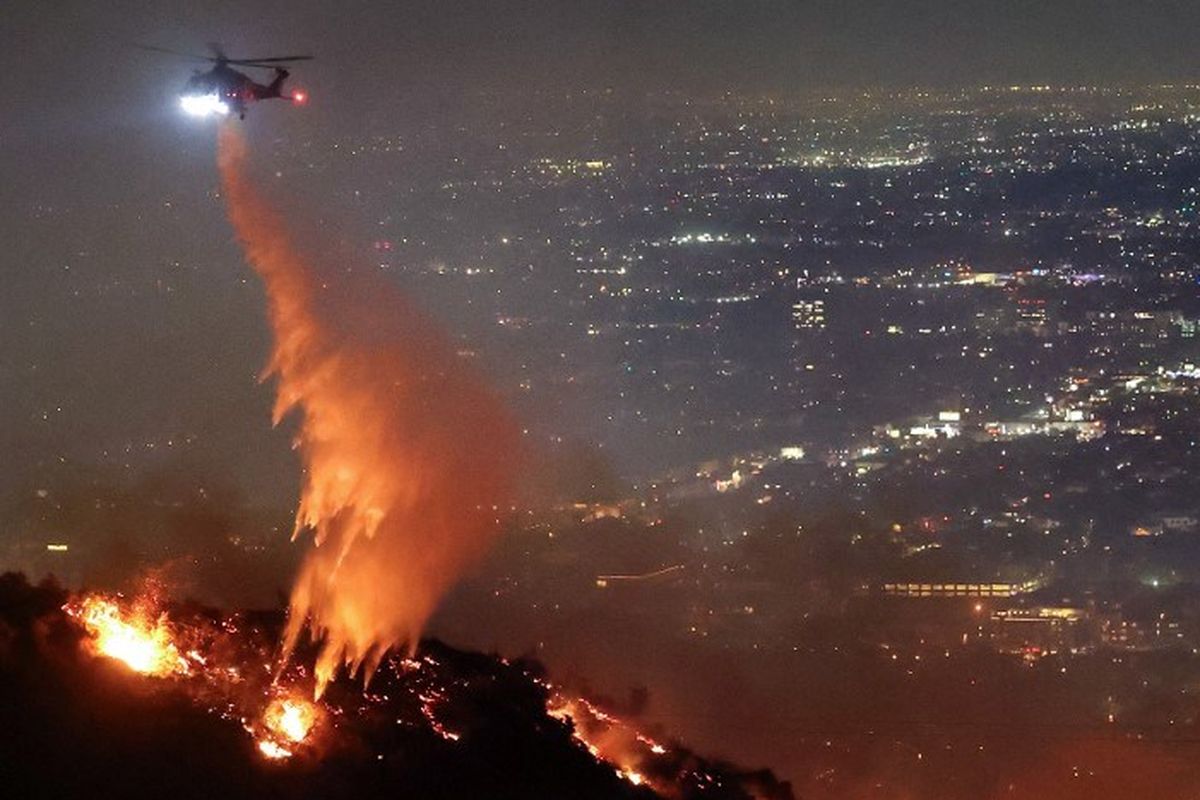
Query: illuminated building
x=999, y=589
x=1031, y=315
x=1038, y=631
x=809, y=314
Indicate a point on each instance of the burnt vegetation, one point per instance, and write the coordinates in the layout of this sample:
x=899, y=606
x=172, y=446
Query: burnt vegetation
x=74, y=724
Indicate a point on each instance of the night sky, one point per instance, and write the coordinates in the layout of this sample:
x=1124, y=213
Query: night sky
x=106, y=184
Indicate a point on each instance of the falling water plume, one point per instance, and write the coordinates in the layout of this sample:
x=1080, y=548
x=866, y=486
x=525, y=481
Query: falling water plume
x=406, y=453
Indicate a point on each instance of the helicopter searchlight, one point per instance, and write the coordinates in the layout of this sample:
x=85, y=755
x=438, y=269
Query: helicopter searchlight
x=204, y=105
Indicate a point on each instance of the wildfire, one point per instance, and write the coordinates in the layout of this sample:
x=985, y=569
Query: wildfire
x=272, y=750
x=226, y=665
x=606, y=737
x=150, y=645
x=407, y=460
x=136, y=638
x=636, y=778
x=290, y=719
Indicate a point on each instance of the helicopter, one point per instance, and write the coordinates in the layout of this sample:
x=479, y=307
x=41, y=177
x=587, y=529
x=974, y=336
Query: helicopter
x=223, y=90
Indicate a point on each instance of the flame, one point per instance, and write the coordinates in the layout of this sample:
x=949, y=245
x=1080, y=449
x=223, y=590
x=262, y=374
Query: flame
x=290, y=718
x=606, y=737
x=140, y=641
x=148, y=644
x=198, y=655
x=406, y=454
x=272, y=750
x=286, y=722
x=636, y=778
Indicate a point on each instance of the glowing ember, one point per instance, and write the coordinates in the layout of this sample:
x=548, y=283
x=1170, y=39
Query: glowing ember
x=143, y=643
x=428, y=702
x=273, y=751
x=198, y=656
x=606, y=737
x=290, y=718
x=287, y=722
x=636, y=778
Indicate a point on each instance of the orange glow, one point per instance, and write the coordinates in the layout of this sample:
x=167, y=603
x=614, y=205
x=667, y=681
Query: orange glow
x=280, y=719
x=287, y=722
x=407, y=455
x=291, y=718
x=140, y=641
x=272, y=750
x=636, y=778
x=607, y=738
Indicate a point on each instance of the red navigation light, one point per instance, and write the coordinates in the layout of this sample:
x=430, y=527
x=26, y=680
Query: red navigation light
x=300, y=98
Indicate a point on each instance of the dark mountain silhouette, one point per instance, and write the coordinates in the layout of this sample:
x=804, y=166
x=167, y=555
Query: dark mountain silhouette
x=76, y=725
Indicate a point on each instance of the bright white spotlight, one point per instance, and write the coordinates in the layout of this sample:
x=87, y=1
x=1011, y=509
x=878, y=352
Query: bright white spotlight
x=204, y=105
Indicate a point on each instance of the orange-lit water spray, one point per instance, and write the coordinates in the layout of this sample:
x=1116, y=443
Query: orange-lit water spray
x=406, y=454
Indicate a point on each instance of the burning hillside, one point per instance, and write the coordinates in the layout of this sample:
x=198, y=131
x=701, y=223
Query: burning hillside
x=104, y=697
x=407, y=460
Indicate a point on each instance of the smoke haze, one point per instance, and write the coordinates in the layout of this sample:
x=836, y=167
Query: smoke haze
x=406, y=454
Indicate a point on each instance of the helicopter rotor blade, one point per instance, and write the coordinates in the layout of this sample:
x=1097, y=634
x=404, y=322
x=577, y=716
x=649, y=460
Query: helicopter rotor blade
x=219, y=57
x=279, y=60
x=277, y=67
x=153, y=49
